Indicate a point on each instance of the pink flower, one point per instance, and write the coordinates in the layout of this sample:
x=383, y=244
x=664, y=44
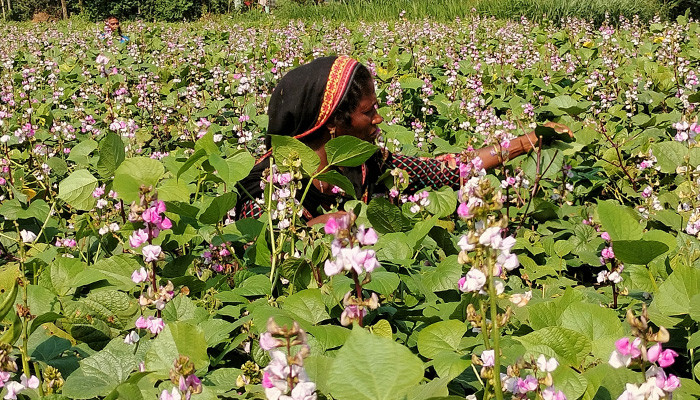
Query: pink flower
x=489, y=235
x=528, y=384
x=366, y=237
x=550, y=393
x=670, y=384
x=174, y=394
x=626, y=348
x=138, y=238
x=667, y=358
x=151, y=252
x=507, y=261
x=267, y=342
x=605, y=235
x=131, y=338
x=608, y=253
x=488, y=358
x=654, y=352
x=367, y=259
x=473, y=281
x=141, y=323
x=139, y=275
x=32, y=382
x=463, y=211
x=156, y=325
x=331, y=227
x=352, y=313
x=267, y=381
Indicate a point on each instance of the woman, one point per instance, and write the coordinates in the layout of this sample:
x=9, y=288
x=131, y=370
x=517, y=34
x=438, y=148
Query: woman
x=334, y=96
x=112, y=26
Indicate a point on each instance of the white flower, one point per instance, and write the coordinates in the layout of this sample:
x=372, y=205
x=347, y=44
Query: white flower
x=132, y=338
x=618, y=360
x=27, y=236
x=521, y=299
x=545, y=365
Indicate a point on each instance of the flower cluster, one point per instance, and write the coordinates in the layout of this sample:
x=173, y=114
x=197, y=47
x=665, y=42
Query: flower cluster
x=347, y=246
x=102, y=200
x=182, y=375
x=219, y=258
x=646, y=351
x=284, y=378
x=525, y=377
x=285, y=186
x=150, y=323
x=419, y=201
x=686, y=132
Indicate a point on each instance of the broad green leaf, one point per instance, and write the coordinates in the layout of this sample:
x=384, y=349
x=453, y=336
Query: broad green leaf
x=639, y=252
x=61, y=274
x=118, y=269
x=619, y=221
x=674, y=296
x=606, y=382
x=444, y=276
x=318, y=367
x=336, y=178
x=443, y=202
x=373, y=368
x=256, y=285
x=669, y=155
x=329, y=336
x=569, y=346
x=218, y=208
x=600, y=325
x=308, y=305
x=112, y=154
x=134, y=173
x=384, y=216
x=178, y=338
x=435, y=388
x=440, y=336
x=410, y=82
x=77, y=188
x=349, y=151
x=394, y=247
x=99, y=374
x=449, y=364
x=572, y=383
x=285, y=149
x=80, y=152
x=383, y=282
x=234, y=168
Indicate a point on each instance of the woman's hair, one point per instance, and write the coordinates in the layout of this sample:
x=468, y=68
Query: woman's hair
x=360, y=86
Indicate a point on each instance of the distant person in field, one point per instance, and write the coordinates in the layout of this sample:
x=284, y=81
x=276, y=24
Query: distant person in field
x=113, y=29
x=334, y=96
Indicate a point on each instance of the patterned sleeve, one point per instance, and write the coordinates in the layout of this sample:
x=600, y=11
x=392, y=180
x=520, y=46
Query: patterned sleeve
x=425, y=172
x=250, y=209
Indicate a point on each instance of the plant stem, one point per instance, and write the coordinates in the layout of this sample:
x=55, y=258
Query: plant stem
x=495, y=332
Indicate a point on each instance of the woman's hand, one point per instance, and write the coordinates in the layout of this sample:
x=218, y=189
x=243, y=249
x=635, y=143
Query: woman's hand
x=322, y=219
x=551, y=131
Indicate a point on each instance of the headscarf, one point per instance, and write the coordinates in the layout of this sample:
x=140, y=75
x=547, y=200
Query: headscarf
x=302, y=102
x=308, y=95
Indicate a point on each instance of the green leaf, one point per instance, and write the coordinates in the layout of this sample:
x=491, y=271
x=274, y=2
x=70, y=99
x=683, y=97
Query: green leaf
x=410, y=82
x=61, y=275
x=234, y=168
x=218, y=208
x=669, y=155
x=674, y=296
x=443, y=202
x=118, y=269
x=431, y=390
x=285, y=149
x=80, y=152
x=440, y=336
x=307, y=305
x=349, y=151
x=640, y=252
x=572, y=383
x=111, y=154
x=449, y=364
x=394, y=247
x=336, y=178
x=600, y=325
x=99, y=374
x=444, y=276
x=619, y=221
x=134, y=173
x=384, y=216
x=570, y=347
x=383, y=282
x=318, y=367
x=329, y=336
x=256, y=285
x=373, y=368
x=77, y=188
x=178, y=338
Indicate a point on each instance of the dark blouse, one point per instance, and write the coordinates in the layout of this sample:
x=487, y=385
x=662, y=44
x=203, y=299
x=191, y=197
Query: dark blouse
x=422, y=173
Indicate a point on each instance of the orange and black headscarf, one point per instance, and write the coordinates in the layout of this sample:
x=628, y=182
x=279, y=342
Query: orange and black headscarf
x=302, y=102
x=307, y=96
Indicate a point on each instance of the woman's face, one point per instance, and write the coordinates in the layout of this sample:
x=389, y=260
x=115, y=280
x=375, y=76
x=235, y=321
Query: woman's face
x=364, y=120
x=113, y=24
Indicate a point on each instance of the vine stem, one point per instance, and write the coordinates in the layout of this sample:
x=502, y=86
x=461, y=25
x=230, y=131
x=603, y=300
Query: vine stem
x=495, y=332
